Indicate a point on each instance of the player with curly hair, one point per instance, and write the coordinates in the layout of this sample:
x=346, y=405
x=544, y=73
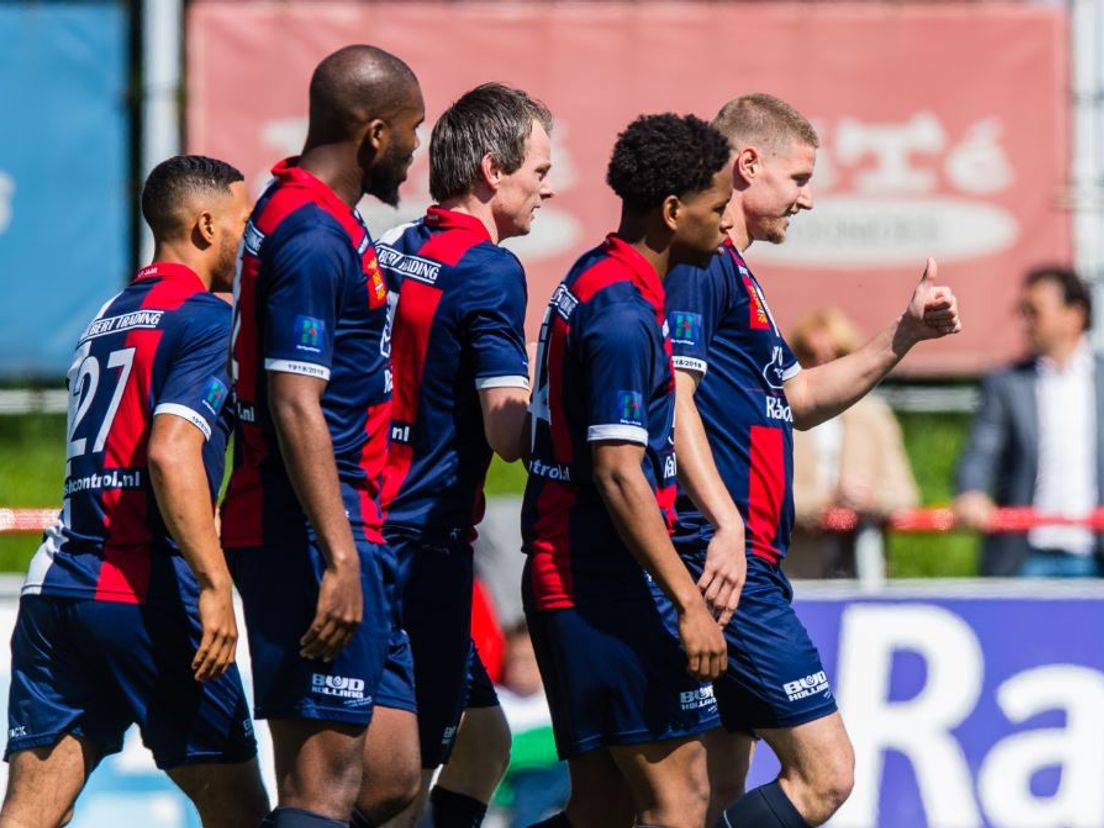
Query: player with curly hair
x=625, y=643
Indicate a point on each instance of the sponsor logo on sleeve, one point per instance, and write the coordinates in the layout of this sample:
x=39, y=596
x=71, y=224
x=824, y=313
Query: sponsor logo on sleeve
x=308, y=333
x=214, y=395
x=685, y=327
x=630, y=408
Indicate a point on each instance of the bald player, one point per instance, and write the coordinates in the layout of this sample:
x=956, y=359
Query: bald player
x=301, y=520
x=126, y=614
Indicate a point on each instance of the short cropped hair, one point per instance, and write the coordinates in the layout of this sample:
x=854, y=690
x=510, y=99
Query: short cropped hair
x=492, y=118
x=1075, y=293
x=665, y=155
x=174, y=180
x=765, y=121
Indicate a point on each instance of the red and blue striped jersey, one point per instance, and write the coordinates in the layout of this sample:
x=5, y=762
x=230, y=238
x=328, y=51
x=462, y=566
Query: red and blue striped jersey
x=604, y=373
x=158, y=347
x=458, y=327
x=722, y=328
x=309, y=299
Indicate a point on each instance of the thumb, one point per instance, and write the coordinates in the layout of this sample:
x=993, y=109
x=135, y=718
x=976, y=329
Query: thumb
x=930, y=271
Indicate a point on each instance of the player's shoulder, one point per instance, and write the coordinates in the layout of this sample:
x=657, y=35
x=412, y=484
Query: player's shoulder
x=203, y=313
x=490, y=264
x=305, y=223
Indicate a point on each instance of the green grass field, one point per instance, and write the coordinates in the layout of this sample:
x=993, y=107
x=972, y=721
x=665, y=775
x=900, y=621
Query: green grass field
x=32, y=461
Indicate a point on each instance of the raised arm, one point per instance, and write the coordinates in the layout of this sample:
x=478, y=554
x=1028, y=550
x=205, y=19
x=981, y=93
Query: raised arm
x=820, y=393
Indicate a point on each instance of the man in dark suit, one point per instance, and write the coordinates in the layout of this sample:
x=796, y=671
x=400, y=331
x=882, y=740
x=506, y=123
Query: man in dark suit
x=1036, y=439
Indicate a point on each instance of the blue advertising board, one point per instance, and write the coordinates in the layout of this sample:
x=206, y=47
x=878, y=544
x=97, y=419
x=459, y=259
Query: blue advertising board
x=968, y=704
x=64, y=201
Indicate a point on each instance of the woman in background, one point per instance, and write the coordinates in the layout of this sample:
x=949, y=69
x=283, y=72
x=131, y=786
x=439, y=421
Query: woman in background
x=856, y=461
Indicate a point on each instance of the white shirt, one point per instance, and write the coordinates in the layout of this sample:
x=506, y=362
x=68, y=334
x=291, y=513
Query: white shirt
x=828, y=439
x=1066, y=482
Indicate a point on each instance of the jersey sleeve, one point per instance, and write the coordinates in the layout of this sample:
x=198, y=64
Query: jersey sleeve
x=695, y=304
x=790, y=366
x=304, y=285
x=618, y=354
x=196, y=386
x=494, y=323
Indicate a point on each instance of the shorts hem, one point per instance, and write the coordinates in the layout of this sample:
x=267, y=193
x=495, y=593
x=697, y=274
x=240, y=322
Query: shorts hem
x=225, y=757
x=362, y=717
x=786, y=722
x=396, y=703
x=51, y=739
x=637, y=737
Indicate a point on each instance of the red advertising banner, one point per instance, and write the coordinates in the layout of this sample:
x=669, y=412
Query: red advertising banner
x=944, y=128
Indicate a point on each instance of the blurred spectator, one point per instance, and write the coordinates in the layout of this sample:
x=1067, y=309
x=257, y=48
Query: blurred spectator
x=1036, y=438
x=856, y=460
x=537, y=782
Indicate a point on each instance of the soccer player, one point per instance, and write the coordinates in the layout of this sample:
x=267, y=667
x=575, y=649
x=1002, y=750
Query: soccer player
x=126, y=613
x=301, y=520
x=735, y=369
x=461, y=386
x=607, y=599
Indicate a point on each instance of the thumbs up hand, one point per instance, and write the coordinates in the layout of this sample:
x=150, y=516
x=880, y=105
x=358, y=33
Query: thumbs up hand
x=933, y=310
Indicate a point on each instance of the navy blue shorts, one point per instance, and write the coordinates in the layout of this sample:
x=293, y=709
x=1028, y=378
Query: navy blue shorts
x=279, y=590
x=479, y=689
x=436, y=583
x=92, y=668
x=774, y=676
x=616, y=674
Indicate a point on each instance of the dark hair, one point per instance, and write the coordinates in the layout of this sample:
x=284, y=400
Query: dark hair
x=665, y=155
x=492, y=118
x=174, y=180
x=1074, y=290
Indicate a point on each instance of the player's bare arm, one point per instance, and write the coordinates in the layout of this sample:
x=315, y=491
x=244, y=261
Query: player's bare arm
x=505, y=412
x=726, y=559
x=307, y=450
x=179, y=482
x=818, y=394
x=632, y=506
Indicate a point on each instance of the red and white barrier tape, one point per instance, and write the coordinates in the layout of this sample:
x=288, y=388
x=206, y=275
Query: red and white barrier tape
x=925, y=521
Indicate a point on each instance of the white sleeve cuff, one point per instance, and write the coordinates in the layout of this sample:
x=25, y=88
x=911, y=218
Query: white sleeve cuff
x=690, y=364
x=617, y=431
x=186, y=413
x=483, y=383
x=292, y=366
x=791, y=372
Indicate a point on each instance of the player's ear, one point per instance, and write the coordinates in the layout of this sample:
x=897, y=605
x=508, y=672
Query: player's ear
x=492, y=174
x=748, y=163
x=670, y=212
x=375, y=137
x=203, y=231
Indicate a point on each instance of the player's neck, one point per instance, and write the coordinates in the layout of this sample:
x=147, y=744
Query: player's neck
x=740, y=236
x=477, y=207
x=335, y=166
x=184, y=254
x=650, y=241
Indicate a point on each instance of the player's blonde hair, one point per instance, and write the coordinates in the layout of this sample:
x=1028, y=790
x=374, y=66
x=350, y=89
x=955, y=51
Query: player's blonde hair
x=764, y=121
x=831, y=320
